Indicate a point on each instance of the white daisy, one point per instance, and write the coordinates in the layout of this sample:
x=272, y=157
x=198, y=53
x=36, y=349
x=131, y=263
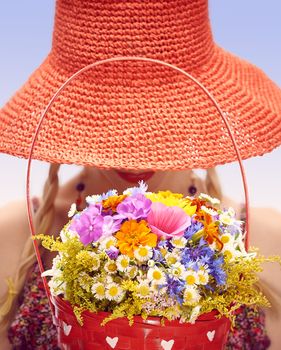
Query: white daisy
x=172, y=258
x=143, y=253
x=209, y=199
x=114, y=292
x=143, y=290
x=110, y=267
x=107, y=243
x=96, y=260
x=226, y=219
x=123, y=263
x=156, y=275
x=151, y=263
x=209, y=211
x=132, y=271
x=227, y=238
x=179, y=242
x=191, y=278
x=98, y=290
x=177, y=270
x=203, y=277
x=66, y=234
x=191, y=296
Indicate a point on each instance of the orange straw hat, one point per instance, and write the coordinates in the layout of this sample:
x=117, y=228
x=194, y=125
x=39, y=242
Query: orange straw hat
x=140, y=115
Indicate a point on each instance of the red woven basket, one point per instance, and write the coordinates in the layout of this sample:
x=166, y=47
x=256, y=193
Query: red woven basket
x=207, y=333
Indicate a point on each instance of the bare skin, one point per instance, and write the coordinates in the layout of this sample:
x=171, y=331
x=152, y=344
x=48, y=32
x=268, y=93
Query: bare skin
x=264, y=234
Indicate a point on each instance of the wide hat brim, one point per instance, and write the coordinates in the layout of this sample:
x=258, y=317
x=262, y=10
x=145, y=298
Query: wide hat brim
x=154, y=119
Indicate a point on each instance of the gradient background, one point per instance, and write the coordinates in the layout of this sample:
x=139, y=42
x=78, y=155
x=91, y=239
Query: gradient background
x=250, y=29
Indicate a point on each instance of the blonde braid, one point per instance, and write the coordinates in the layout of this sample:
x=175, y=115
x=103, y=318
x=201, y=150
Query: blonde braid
x=213, y=184
x=43, y=220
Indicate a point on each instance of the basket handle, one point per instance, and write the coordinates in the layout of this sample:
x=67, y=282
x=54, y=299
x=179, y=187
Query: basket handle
x=58, y=92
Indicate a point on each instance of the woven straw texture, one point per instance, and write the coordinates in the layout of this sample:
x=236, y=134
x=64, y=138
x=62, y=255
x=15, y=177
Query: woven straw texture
x=139, y=115
x=207, y=333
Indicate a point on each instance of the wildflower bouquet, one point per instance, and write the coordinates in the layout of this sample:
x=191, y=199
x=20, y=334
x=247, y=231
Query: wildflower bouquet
x=153, y=254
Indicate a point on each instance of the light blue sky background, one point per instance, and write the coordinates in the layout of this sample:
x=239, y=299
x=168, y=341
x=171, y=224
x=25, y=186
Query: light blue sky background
x=250, y=29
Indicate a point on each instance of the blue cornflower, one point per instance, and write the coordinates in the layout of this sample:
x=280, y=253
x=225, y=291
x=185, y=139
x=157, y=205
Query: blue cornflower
x=192, y=229
x=216, y=270
x=202, y=254
x=157, y=256
x=174, y=288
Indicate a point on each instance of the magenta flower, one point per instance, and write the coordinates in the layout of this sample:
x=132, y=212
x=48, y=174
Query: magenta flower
x=134, y=207
x=167, y=221
x=88, y=224
x=110, y=225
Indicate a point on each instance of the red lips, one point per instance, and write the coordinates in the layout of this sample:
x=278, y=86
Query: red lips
x=135, y=177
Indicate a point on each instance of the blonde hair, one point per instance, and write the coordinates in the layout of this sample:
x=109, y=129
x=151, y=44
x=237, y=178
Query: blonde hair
x=213, y=184
x=43, y=221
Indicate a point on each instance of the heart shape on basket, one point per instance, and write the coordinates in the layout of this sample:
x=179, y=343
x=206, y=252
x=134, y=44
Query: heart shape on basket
x=167, y=345
x=66, y=328
x=112, y=341
x=211, y=335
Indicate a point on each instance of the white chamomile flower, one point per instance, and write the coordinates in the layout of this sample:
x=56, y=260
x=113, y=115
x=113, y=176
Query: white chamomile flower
x=226, y=219
x=132, y=271
x=191, y=296
x=179, y=242
x=171, y=258
x=203, y=277
x=110, y=267
x=231, y=212
x=93, y=199
x=95, y=260
x=143, y=253
x=143, y=289
x=107, y=243
x=227, y=238
x=151, y=263
x=114, y=292
x=66, y=234
x=123, y=263
x=230, y=252
x=156, y=275
x=209, y=211
x=191, y=277
x=98, y=290
x=177, y=270
x=56, y=285
x=209, y=199
x=72, y=210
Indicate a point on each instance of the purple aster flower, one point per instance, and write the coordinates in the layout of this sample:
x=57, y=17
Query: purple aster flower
x=134, y=207
x=112, y=253
x=88, y=224
x=192, y=229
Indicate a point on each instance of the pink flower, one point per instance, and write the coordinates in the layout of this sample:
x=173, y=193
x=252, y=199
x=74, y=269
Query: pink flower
x=167, y=221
